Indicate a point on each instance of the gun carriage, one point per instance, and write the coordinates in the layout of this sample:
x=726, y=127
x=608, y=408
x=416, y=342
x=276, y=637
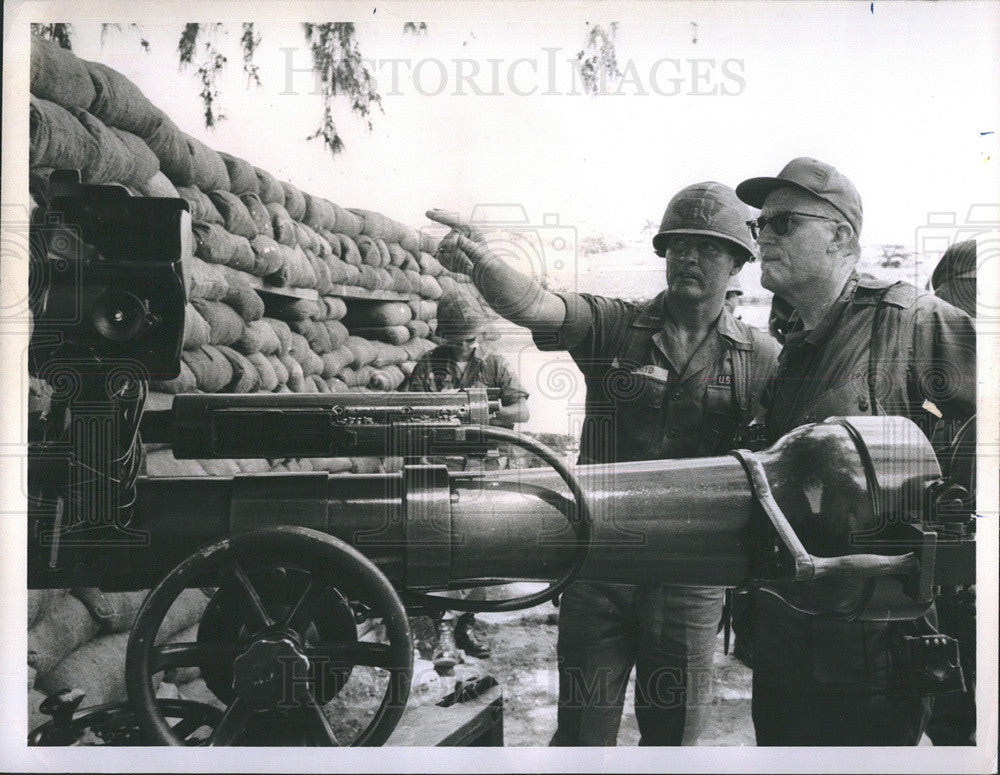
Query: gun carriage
x=850, y=518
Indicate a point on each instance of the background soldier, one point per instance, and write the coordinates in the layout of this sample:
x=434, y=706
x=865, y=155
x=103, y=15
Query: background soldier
x=676, y=376
x=855, y=345
x=461, y=363
x=953, y=720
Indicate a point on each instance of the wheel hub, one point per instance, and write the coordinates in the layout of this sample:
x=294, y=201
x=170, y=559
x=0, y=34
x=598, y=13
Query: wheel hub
x=266, y=674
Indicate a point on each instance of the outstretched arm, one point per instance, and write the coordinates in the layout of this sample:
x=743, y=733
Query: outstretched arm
x=519, y=299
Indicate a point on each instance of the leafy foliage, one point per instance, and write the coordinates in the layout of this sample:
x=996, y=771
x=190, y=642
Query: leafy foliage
x=57, y=33
x=597, y=62
x=415, y=28
x=341, y=70
x=250, y=41
x=210, y=65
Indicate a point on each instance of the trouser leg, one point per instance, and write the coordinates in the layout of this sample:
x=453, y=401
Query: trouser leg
x=595, y=657
x=677, y=635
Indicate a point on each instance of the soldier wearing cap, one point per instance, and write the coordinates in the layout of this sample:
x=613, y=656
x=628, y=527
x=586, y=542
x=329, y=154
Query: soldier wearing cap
x=854, y=346
x=674, y=376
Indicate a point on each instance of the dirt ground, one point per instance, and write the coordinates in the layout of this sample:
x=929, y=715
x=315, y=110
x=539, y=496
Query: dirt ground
x=524, y=664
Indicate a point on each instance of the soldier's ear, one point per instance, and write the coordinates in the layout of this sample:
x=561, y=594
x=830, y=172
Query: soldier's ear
x=841, y=237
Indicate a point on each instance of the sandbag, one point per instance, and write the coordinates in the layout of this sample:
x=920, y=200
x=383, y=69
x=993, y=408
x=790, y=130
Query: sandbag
x=119, y=102
x=357, y=378
x=332, y=464
x=234, y=213
x=114, y=611
x=258, y=337
x=388, y=355
x=295, y=202
x=96, y=668
x=305, y=236
x=399, y=281
x=388, y=378
x=378, y=226
x=161, y=462
x=335, y=308
x=296, y=378
x=268, y=255
x=366, y=465
x=338, y=332
x=158, y=185
x=258, y=213
x=200, y=205
x=270, y=189
x=241, y=296
x=57, y=139
x=208, y=169
x=184, y=382
x=367, y=277
x=210, y=367
x=282, y=331
x=196, y=330
x=62, y=629
x=246, y=378
x=383, y=280
x=41, y=601
x=282, y=224
x=280, y=371
x=383, y=313
x=221, y=467
x=315, y=333
x=313, y=216
x=397, y=255
x=349, y=252
x=339, y=271
x=212, y=243
x=224, y=323
x=423, y=309
x=323, y=283
x=295, y=271
x=370, y=254
x=419, y=328
x=170, y=146
x=384, y=252
x=268, y=377
x=364, y=352
x=347, y=223
x=113, y=162
x=289, y=308
x=430, y=288
x=407, y=367
x=336, y=360
x=336, y=385
x=242, y=175
x=389, y=334
x=58, y=76
x=204, y=280
x=417, y=348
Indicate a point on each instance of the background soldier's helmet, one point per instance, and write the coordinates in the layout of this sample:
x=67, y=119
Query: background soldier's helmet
x=458, y=316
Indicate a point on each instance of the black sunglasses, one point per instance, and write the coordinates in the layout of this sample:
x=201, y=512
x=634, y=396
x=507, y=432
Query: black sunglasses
x=780, y=222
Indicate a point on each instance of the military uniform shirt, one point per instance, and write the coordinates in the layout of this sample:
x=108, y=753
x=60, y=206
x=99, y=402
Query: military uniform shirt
x=437, y=371
x=829, y=371
x=640, y=405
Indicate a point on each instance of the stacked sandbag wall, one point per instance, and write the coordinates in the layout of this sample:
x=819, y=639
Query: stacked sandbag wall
x=287, y=292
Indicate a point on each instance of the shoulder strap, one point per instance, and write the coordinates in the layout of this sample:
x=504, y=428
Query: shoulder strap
x=888, y=338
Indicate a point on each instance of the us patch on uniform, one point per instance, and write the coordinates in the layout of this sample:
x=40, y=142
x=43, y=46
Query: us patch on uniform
x=724, y=380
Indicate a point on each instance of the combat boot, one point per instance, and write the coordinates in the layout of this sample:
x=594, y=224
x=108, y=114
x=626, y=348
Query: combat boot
x=446, y=654
x=465, y=637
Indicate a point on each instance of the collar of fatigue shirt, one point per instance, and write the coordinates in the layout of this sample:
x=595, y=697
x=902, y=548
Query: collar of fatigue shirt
x=654, y=312
x=798, y=337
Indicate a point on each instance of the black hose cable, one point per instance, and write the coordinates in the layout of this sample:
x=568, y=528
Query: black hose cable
x=577, y=512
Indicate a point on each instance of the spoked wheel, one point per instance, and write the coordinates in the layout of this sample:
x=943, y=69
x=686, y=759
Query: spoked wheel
x=115, y=724
x=277, y=641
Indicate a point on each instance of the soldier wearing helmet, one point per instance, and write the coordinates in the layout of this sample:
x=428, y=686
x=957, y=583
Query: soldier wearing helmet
x=674, y=376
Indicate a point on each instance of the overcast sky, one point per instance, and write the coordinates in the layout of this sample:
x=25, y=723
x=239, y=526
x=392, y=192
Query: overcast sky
x=903, y=98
